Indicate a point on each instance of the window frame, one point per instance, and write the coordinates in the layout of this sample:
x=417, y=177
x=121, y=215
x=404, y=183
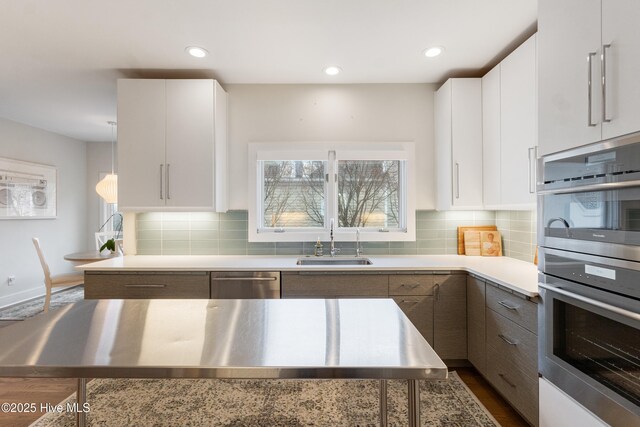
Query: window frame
x=331, y=153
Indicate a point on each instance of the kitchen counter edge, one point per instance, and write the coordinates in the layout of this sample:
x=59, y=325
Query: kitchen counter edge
x=516, y=275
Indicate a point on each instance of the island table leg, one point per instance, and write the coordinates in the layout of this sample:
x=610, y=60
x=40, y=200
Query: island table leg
x=81, y=398
x=414, y=403
x=383, y=403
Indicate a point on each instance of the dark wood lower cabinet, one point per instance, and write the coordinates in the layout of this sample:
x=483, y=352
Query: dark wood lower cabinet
x=146, y=285
x=334, y=284
x=504, y=349
x=476, y=335
x=450, y=316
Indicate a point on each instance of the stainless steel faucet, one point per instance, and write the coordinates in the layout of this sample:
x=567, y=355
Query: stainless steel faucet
x=358, y=247
x=333, y=251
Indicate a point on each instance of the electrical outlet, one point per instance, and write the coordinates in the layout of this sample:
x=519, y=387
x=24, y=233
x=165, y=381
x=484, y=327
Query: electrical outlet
x=11, y=280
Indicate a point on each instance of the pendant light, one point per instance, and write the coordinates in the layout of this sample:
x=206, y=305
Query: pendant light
x=107, y=188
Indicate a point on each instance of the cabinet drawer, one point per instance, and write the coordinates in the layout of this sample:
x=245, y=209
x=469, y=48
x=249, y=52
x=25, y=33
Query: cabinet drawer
x=338, y=285
x=513, y=307
x=419, y=309
x=520, y=389
x=517, y=345
x=143, y=286
x=411, y=284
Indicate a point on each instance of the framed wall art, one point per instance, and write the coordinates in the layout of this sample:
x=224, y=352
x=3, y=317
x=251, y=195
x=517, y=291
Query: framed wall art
x=27, y=190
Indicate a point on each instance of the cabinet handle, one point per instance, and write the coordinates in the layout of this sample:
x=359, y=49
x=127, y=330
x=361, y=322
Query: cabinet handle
x=252, y=279
x=508, y=306
x=161, y=181
x=404, y=301
x=168, y=181
x=436, y=291
x=507, y=340
x=145, y=286
x=532, y=170
x=506, y=380
x=604, y=83
x=457, y=180
x=408, y=286
x=589, y=81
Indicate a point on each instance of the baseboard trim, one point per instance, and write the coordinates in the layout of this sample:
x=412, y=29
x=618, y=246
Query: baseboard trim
x=27, y=295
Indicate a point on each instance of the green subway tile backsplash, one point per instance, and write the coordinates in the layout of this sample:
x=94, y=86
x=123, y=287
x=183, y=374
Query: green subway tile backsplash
x=204, y=233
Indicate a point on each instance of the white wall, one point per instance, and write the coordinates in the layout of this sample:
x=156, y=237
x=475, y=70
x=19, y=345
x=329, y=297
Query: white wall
x=98, y=162
x=67, y=233
x=355, y=113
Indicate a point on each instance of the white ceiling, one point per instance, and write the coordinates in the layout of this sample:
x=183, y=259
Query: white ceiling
x=61, y=58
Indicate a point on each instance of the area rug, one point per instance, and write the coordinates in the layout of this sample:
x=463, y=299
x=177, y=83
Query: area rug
x=35, y=306
x=272, y=403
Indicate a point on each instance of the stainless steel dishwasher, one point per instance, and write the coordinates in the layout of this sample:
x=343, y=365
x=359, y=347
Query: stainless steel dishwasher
x=245, y=285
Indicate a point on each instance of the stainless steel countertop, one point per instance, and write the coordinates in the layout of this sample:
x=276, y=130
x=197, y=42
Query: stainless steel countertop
x=295, y=338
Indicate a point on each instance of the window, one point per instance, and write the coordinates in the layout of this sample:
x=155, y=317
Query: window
x=299, y=188
x=110, y=219
x=294, y=194
x=369, y=194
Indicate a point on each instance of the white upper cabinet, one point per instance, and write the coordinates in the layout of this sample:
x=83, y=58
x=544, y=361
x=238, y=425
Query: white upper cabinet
x=621, y=66
x=141, y=143
x=491, y=157
x=518, y=127
x=568, y=67
x=171, y=145
x=458, y=134
x=579, y=43
x=509, y=130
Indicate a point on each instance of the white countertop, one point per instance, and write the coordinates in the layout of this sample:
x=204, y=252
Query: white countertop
x=511, y=273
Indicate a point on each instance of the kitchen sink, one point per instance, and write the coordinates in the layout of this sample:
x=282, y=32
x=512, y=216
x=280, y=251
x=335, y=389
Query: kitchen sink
x=333, y=261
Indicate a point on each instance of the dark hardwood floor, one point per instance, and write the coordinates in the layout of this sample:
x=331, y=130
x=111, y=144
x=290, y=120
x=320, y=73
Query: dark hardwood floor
x=32, y=390
x=499, y=408
x=55, y=390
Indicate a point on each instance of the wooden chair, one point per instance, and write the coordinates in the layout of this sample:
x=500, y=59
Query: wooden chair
x=58, y=280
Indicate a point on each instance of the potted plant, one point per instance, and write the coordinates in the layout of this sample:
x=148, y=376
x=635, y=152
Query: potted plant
x=109, y=244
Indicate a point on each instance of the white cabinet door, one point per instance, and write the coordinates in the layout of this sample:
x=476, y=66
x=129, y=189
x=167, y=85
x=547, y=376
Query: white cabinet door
x=458, y=137
x=141, y=144
x=491, y=138
x=442, y=121
x=622, y=100
x=568, y=31
x=190, y=144
x=466, y=137
x=518, y=125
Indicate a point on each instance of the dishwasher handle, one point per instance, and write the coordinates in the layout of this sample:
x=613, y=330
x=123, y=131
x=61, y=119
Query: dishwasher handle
x=261, y=279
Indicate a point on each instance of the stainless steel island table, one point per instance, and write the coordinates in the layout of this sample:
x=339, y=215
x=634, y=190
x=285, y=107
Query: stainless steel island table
x=230, y=339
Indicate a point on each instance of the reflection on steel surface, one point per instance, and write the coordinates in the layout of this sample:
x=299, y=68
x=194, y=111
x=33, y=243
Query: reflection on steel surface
x=296, y=338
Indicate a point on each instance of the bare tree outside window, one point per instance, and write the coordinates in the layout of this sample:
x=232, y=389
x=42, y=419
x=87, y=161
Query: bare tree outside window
x=294, y=192
x=368, y=193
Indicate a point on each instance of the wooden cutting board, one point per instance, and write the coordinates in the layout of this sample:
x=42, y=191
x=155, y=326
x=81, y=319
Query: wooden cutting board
x=462, y=229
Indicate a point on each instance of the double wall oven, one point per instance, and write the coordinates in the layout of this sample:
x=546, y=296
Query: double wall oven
x=589, y=238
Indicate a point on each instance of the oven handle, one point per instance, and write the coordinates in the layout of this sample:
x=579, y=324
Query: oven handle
x=621, y=311
x=604, y=186
x=576, y=256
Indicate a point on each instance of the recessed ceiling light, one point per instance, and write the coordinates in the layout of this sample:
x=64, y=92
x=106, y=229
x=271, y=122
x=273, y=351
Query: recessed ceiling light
x=196, y=51
x=434, y=51
x=332, y=70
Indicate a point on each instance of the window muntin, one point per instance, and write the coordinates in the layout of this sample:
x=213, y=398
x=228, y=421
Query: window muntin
x=293, y=193
x=370, y=194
